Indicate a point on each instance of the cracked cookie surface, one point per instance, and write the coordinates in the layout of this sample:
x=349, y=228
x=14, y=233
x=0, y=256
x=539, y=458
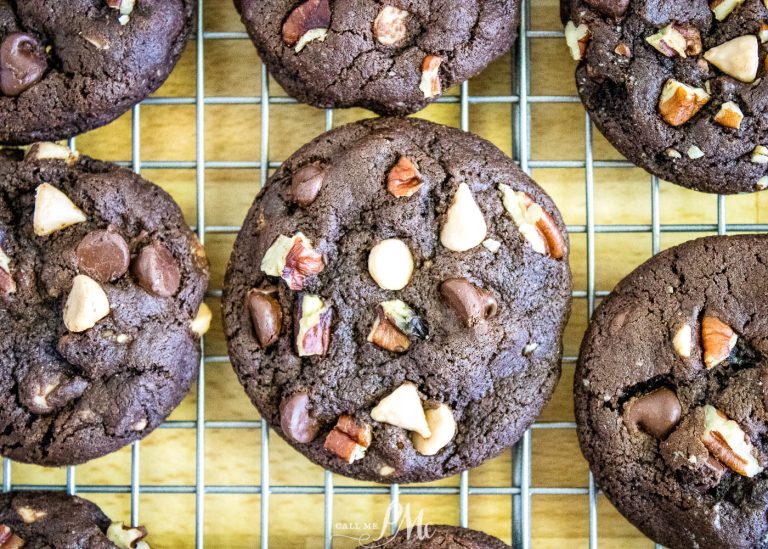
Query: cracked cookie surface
x=480, y=354
x=670, y=393
x=710, y=134
x=100, y=278
x=53, y=519
x=375, y=54
x=93, y=62
x=439, y=537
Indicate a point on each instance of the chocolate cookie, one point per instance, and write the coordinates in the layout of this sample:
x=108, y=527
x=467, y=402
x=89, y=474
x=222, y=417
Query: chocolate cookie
x=41, y=520
x=672, y=394
x=66, y=68
x=679, y=88
x=392, y=58
x=438, y=537
x=395, y=300
x=100, y=280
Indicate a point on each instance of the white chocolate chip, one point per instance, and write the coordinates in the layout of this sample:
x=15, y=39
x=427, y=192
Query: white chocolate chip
x=760, y=155
x=390, y=264
x=762, y=183
x=443, y=426
x=386, y=470
x=86, y=305
x=30, y=515
x=723, y=8
x=202, y=321
x=402, y=408
x=682, y=341
x=54, y=211
x=464, y=226
x=492, y=245
x=738, y=57
x=673, y=153
x=694, y=153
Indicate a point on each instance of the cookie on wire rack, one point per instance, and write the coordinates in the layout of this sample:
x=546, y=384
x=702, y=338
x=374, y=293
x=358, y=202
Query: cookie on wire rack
x=438, y=537
x=671, y=392
x=393, y=57
x=395, y=300
x=101, y=285
x=69, y=67
x=679, y=88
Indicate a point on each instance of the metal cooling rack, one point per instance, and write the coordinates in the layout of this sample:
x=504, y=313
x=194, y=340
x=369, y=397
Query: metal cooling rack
x=521, y=489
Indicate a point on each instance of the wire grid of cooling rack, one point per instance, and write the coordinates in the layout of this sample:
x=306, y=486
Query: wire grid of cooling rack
x=521, y=490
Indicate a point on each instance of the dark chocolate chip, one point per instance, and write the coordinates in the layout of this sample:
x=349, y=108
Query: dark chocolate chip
x=103, y=255
x=156, y=270
x=22, y=63
x=471, y=303
x=306, y=184
x=295, y=420
x=611, y=8
x=266, y=315
x=657, y=413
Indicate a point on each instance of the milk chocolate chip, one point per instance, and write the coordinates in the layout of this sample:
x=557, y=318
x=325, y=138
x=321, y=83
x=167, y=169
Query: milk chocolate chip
x=295, y=420
x=306, y=184
x=22, y=63
x=156, y=270
x=611, y=8
x=266, y=314
x=656, y=413
x=471, y=303
x=103, y=255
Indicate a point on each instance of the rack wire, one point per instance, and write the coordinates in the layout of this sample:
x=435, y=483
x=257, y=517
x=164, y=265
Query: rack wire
x=521, y=489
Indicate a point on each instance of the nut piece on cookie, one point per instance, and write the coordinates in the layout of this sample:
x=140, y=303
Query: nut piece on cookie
x=533, y=222
x=718, y=340
x=389, y=27
x=471, y=304
x=729, y=115
x=309, y=21
x=676, y=40
x=86, y=305
x=126, y=537
x=726, y=441
x=45, y=150
x=306, y=184
x=349, y=439
x=293, y=259
x=390, y=264
x=404, y=179
x=9, y=540
x=682, y=341
x=656, y=413
x=296, y=421
x=103, y=255
x=54, y=211
x=723, y=8
x=577, y=39
x=266, y=314
x=125, y=7
x=156, y=270
x=679, y=102
x=202, y=321
x=402, y=408
x=7, y=283
x=30, y=515
x=313, y=327
x=430, y=84
x=464, y=226
x=759, y=155
x=739, y=57
x=395, y=322
x=442, y=424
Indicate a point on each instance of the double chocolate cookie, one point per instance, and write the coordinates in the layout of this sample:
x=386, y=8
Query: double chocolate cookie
x=672, y=394
x=100, y=284
x=68, y=67
x=392, y=57
x=37, y=520
x=679, y=88
x=438, y=537
x=395, y=300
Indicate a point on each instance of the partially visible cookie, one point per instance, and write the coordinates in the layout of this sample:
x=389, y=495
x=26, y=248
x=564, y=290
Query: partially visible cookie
x=679, y=88
x=438, y=537
x=68, y=67
x=393, y=57
x=37, y=520
x=101, y=284
x=395, y=300
x=671, y=393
